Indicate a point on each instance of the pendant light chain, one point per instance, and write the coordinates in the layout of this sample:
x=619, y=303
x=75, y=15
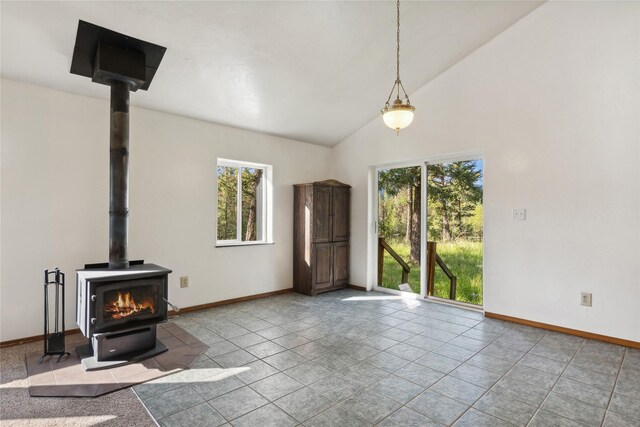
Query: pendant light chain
x=398, y=42
x=397, y=86
x=399, y=114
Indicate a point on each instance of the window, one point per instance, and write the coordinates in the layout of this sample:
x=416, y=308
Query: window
x=244, y=203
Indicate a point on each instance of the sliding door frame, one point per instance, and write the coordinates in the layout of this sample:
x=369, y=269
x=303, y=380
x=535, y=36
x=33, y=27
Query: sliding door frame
x=372, y=271
x=372, y=217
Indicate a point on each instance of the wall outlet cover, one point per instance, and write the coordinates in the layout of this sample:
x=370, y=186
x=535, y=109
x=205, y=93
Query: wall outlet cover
x=585, y=299
x=184, y=282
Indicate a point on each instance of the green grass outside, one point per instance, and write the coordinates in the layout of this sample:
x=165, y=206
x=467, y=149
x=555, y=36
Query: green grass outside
x=464, y=259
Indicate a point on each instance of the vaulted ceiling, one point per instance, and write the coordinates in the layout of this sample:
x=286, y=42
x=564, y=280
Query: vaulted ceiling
x=312, y=71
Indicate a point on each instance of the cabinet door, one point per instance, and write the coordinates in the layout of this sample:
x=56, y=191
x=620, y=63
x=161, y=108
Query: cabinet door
x=321, y=268
x=341, y=264
x=340, y=214
x=321, y=214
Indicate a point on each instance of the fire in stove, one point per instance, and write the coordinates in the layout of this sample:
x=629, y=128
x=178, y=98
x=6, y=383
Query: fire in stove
x=130, y=302
x=125, y=306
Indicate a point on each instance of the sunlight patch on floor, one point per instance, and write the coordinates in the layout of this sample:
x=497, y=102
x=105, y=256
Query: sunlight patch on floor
x=91, y=420
x=377, y=298
x=19, y=383
x=200, y=375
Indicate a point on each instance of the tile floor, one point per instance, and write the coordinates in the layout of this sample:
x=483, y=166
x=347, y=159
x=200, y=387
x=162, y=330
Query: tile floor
x=352, y=358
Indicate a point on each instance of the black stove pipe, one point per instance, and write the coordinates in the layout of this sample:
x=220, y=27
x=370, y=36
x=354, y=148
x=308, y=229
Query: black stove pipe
x=126, y=64
x=119, y=176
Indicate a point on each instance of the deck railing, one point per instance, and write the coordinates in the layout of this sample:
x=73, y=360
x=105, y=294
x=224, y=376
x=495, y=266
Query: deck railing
x=432, y=259
x=384, y=246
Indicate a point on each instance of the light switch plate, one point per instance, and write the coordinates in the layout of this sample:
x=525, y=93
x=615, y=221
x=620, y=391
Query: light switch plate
x=519, y=214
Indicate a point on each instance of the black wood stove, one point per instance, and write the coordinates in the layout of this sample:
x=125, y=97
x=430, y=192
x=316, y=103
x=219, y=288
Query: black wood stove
x=118, y=310
x=119, y=304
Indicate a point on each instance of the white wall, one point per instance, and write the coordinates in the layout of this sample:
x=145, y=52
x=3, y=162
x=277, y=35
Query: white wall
x=553, y=103
x=55, y=169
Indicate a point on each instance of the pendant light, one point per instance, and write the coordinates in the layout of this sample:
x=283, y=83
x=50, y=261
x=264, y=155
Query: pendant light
x=399, y=114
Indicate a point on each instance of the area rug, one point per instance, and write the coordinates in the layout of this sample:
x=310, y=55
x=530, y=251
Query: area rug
x=67, y=378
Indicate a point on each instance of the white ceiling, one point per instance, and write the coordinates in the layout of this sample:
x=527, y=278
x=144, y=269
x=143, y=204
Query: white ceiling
x=311, y=71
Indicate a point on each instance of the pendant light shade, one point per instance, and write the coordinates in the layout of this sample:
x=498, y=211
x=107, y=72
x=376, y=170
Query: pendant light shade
x=399, y=114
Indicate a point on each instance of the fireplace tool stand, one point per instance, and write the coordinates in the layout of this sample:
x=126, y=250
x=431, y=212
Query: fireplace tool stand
x=54, y=341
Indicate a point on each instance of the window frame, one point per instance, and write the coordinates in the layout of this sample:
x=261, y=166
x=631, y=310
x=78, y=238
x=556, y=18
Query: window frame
x=266, y=205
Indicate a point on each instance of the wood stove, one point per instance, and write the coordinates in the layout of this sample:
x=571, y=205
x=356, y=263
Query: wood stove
x=118, y=310
x=119, y=303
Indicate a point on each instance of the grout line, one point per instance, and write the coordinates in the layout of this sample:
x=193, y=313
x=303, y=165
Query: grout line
x=505, y=374
x=556, y=382
x=376, y=318
x=614, y=386
x=447, y=374
x=145, y=407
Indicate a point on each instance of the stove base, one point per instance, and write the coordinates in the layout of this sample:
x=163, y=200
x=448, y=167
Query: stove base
x=91, y=363
x=110, y=349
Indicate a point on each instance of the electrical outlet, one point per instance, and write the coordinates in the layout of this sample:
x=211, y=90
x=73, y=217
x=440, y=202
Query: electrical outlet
x=184, y=282
x=585, y=299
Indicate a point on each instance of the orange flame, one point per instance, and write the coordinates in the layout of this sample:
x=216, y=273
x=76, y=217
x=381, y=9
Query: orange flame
x=126, y=306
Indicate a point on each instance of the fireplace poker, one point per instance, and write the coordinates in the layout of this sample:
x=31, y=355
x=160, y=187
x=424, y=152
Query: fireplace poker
x=174, y=307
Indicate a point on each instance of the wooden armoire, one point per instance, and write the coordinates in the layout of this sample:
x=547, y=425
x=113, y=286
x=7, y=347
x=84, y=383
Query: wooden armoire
x=321, y=236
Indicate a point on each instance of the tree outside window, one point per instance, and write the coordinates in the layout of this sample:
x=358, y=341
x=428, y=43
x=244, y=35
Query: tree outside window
x=242, y=202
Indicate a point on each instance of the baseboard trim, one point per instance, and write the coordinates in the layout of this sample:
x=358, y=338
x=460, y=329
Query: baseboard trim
x=229, y=301
x=27, y=340
x=357, y=288
x=569, y=331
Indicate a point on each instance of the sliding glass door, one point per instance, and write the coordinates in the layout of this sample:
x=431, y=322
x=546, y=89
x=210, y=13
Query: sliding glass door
x=399, y=223
x=454, y=230
x=430, y=214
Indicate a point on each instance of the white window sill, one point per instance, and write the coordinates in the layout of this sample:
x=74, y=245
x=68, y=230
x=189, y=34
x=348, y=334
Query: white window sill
x=234, y=243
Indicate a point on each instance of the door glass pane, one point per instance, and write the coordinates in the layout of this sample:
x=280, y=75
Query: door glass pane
x=399, y=208
x=252, y=204
x=227, y=202
x=454, y=224
x=131, y=302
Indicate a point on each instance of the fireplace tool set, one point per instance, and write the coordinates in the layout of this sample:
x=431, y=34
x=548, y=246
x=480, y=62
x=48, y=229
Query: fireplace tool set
x=54, y=341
